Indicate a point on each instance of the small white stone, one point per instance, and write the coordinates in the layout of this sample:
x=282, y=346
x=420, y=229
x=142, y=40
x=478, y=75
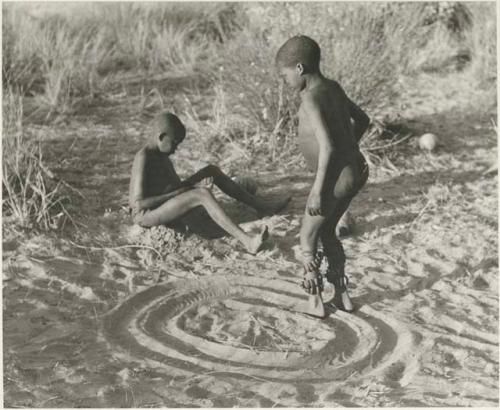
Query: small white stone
x=427, y=142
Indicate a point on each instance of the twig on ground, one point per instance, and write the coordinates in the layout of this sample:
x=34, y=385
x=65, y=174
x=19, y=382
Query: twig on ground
x=420, y=213
x=71, y=187
x=104, y=248
x=389, y=145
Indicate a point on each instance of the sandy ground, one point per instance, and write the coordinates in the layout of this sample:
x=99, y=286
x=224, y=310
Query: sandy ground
x=213, y=326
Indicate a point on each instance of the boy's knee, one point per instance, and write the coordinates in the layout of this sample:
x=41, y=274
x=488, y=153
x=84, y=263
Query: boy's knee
x=309, y=232
x=345, y=185
x=311, y=224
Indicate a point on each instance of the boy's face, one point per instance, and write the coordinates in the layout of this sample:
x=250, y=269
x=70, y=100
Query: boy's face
x=169, y=140
x=292, y=76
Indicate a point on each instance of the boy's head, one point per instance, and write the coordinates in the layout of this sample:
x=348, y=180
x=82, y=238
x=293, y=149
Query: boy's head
x=298, y=56
x=170, y=132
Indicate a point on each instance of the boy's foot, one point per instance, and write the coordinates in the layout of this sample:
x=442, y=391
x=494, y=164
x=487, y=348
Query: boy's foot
x=316, y=307
x=273, y=207
x=343, y=301
x=257, y=241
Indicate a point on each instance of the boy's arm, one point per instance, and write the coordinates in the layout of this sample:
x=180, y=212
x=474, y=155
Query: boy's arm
x=204, y=175
x=326, y=150
x=361, y=120
x=138, y=201
x=194, y=179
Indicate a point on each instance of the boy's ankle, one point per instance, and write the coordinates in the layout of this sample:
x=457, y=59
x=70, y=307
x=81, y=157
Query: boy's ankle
x=340, y=283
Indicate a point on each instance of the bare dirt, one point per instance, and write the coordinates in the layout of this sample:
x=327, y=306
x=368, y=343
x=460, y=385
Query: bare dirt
x=213, y=326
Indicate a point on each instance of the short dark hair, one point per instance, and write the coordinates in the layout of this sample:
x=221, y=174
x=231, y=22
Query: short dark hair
x=299, y=49
x=167, y=121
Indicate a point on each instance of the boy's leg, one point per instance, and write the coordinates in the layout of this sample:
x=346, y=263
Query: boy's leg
x=343, y=225
x=234, y=190
x=199, y=222
x=314, y=228
x=334, y=253
x=309, y=235
x=347, y=185
x=178, y=206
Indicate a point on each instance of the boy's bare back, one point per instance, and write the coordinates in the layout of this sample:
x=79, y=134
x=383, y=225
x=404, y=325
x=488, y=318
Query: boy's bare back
x=326, y=103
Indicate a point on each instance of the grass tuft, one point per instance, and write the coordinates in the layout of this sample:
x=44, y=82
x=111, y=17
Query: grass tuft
x=30, y=195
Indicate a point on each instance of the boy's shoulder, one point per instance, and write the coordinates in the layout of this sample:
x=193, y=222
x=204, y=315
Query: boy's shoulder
x=327, y=87
x=145, y=151
x=142, y=153
x=143, y=156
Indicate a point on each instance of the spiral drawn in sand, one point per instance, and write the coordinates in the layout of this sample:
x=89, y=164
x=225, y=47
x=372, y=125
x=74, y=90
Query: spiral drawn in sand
x=246, y=327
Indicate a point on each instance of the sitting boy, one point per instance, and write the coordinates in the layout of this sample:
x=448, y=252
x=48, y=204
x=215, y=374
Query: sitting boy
x=330, y=126
x=157, y=195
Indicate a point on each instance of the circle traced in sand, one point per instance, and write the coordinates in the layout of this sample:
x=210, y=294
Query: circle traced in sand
x=246, y=327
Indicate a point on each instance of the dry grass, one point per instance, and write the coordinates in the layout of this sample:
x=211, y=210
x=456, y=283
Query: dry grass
x=365, y=47
x=30, y=195
x=61, y=60
x=481, y=40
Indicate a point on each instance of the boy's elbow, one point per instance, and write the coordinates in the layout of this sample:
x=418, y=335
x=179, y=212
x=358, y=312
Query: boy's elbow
x=363, y=124
x=364, y=120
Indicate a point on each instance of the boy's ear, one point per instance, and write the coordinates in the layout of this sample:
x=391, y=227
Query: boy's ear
x=161, y=136
x=300, y=68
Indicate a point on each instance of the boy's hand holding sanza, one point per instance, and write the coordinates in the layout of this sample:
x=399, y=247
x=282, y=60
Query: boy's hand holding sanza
x=206, y=183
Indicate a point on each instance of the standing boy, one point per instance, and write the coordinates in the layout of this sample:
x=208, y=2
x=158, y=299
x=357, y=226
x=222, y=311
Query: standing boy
x=158, y=196
x=330, y=126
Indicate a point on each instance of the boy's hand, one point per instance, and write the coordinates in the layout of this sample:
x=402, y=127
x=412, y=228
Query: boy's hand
x=207, y=183
x=313, y=206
